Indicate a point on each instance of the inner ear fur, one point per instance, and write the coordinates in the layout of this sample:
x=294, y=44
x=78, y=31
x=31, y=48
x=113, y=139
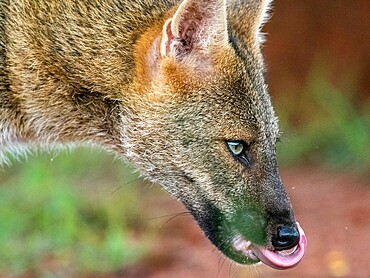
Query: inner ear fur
x=195, y=25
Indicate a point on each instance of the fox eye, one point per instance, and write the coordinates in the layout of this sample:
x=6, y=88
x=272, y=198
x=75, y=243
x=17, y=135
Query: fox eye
x=240, y=151
x=236, y=147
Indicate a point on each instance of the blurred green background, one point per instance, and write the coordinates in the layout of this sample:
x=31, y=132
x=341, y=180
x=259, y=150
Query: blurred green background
x=73, y=211
x=80, y=211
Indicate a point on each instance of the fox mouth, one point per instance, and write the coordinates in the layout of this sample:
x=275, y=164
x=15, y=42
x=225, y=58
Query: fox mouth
x=276, y=259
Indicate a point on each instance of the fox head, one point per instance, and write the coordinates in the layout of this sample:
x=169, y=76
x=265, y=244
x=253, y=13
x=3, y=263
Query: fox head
x=201, y=124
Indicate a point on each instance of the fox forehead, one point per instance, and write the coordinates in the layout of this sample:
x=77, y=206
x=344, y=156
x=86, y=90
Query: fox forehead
x=251, y=99
x=234, y=96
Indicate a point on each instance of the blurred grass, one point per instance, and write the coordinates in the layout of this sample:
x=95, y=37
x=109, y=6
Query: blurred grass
x=323, y=126
x=67, y=214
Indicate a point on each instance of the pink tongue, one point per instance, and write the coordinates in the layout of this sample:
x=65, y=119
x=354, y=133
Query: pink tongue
x=278, y=260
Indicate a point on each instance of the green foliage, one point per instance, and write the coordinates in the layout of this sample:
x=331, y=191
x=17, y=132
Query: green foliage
x=67, y=214
x=323, y=126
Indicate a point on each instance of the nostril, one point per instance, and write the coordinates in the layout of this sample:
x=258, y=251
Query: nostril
x=286, y=237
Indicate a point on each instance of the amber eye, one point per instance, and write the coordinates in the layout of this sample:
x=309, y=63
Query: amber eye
x=236, y=147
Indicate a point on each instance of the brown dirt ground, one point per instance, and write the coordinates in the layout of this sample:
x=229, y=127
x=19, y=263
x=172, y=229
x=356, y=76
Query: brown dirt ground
x=333, y=208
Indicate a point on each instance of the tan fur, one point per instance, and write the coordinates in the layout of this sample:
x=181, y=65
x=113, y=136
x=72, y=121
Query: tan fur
x=164, y=84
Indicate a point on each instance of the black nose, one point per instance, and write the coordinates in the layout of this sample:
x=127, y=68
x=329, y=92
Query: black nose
x=286, y=238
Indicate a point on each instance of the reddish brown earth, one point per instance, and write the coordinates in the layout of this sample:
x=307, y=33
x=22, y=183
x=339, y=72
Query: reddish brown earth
x=332, y=207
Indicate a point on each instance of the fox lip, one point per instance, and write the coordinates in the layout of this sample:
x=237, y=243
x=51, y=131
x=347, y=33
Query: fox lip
x=275, y=259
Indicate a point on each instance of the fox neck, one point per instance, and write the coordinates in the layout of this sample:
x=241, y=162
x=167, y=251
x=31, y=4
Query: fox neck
x=88, y=104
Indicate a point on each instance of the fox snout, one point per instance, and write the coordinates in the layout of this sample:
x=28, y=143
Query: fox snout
x=248, y=232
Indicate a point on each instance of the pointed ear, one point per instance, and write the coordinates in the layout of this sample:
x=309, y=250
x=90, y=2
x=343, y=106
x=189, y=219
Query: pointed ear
x=247, y=17
x=195, y=25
